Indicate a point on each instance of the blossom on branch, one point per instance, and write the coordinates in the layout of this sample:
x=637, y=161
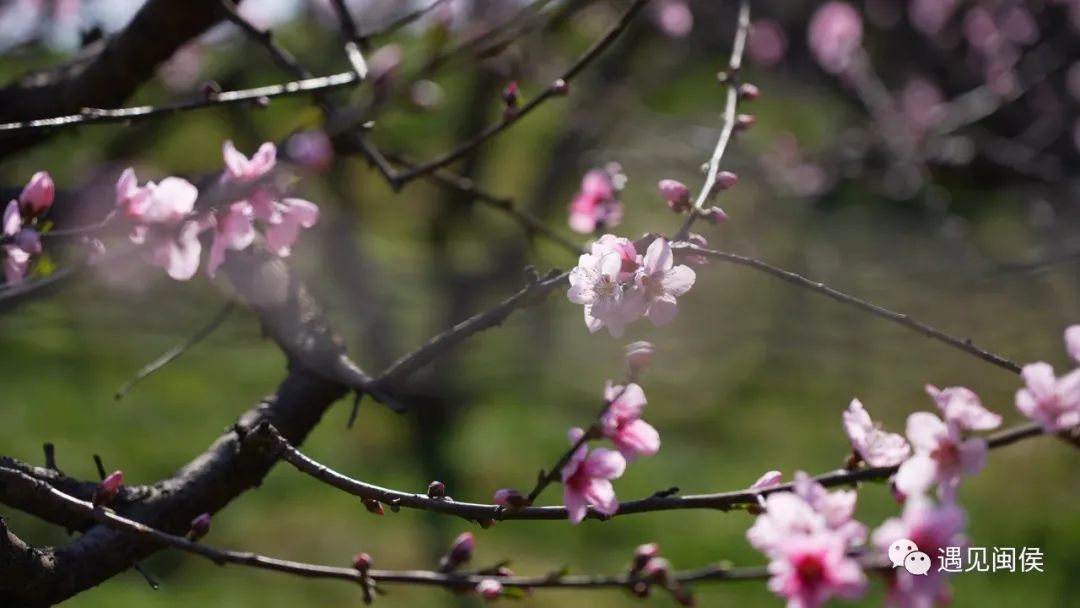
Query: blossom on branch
x=587, y=479
x=622, y=423
x=595, y=205
x=17, y=245
x=875, y=446
x=1051, y=401
x=243, y=169
x=660, y=282
x=942, y=456
x=932, y=528
x=962, y=406
x=164, y=222
x=809, y=570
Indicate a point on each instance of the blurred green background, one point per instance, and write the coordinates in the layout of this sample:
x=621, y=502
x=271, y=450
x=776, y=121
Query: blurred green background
x=752, y=376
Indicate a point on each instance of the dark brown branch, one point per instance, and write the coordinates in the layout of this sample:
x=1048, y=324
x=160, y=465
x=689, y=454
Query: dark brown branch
x=105, y=78
x=723, y=501
x=550, y=91
x=148, y=535
x=902, y=319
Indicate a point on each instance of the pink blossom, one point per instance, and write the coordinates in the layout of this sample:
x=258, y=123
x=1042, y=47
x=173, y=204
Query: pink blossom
x=622, y=423
x=837, y=508
x=163, y=222
x=1052, y=402
x=942, y=456
x=961, y=406
x=875, y=446
x=311, y=149
x=19, y=244
x=834, y=34
x=233, y=230
x=243, y=169
x=1072, y=338
x=587, y=480
x=296, y=213
x=595, y=204
x=767, y=43
x=673, y=17
x=595, y=283
x=37, y=196
x=660, y=282
x=489, y=589
x=809, y=570
x=932, y=528
x=786, y=516
x=768, y=480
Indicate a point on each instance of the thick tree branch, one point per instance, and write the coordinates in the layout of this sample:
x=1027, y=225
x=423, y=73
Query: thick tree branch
x=111, y=72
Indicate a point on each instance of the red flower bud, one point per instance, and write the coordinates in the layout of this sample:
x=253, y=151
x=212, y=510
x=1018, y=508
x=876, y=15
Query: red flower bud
x=749, y=92
x=37, y=196
x=725, y=180
x=373, y=506
x=436, y=489
x=744, y=121
x=510, y=498
x=644, y=553
x=560, y=87
x=200, y=527
x=489, y=589
x=460, y=552
x=362, y=562
x=676, y=194
x=714, y=215
x=511, y=96
x=108, y=489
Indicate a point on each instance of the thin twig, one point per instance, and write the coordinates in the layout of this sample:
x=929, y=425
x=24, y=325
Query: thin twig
x=353, y=40
x=731, y=106
x=929, y=331
x=532, y=293
x=100, y=116
x=449, y=580
x=402, y=21
x=550, y=91
x=723, y=501
x=174, y=353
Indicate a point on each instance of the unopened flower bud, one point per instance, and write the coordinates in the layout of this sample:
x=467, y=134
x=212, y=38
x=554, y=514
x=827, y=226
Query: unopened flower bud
x=676, y=194
x=639, y=355
x=560, y=87
x=725, y=180
x=373, y=506
x=743, y=122
x=460, y=552
x=37, y=196
x=436, y=489
x=714, y=215
x=641, y=589
x=199, y=527
x=490, y=589
x=108, y=489
x=262, y=102
x=644, y=553
x=722, y=77
x=362, y=562
x=749, y=92
x=211, y=89
x=509, y=498
x=657, y=570
x=511, y=95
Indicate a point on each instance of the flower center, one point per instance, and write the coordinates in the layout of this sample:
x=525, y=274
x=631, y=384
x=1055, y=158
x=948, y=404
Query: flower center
x=810, y=569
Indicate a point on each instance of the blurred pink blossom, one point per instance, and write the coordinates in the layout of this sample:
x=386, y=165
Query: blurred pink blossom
x=233, y=230
x=595, y=205
x=15, y=255
x=837, y=507
x=163, y=223
x=877, y=447
x=767, y=44
x=962, y=406
x=241, y=168
x=622, y=423
x=809, y=570
x=587, y=479
x=295, y=213
x=673, y=17
x=313, y=150
x=489, y=589
x=932, y=528
x=1052, y=402
x=942, y=456
x=834, y=34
